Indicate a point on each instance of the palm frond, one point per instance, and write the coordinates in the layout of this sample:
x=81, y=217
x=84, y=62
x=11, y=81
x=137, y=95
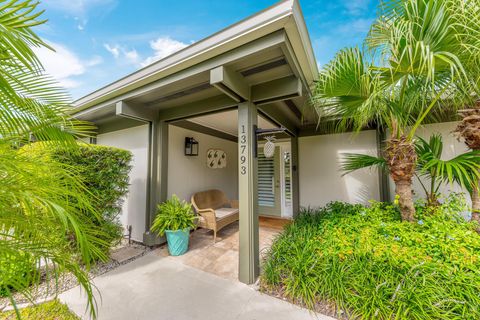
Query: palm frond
x=44, y=205
x=462, y=169
x=354, y=161
x=348, y=92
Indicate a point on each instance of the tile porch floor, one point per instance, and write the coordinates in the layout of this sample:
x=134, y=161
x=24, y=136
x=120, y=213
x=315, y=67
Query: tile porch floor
x=221, y=258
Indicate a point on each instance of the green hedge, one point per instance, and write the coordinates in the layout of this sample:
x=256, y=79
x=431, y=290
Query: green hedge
x=105, y=174
x=368, y=263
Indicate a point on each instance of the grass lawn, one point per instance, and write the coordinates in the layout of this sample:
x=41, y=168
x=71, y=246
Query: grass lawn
x=53, y=310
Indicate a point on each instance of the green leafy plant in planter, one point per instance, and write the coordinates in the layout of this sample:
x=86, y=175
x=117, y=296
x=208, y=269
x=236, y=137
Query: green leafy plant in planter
x=174, y=219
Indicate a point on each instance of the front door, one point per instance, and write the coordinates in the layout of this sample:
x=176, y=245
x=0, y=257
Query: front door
x=269, y=197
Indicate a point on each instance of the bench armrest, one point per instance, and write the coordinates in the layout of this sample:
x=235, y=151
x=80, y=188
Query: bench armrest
x=208, y=215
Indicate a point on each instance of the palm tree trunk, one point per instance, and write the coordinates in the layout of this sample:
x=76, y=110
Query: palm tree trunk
x=405, y=199
x=476, y=202
x=469, y=130
x=402, y=160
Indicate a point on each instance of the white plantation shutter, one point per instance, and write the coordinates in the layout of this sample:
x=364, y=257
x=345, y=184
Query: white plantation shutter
x=266, y=181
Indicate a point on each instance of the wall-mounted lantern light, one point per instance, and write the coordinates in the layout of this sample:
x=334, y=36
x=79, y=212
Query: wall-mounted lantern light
x=191, y=147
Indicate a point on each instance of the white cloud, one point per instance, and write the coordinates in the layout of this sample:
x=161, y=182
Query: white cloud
x=118, y=51
x=132, y=55
x=96, y=60
x=63, y=64
x=113, y=49
x=81, y=23
x=163, y=46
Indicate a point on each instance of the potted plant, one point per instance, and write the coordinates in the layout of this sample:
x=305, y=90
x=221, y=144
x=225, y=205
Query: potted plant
x=174, y=218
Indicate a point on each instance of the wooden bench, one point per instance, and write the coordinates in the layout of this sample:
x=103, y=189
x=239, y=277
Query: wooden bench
x=215, y=210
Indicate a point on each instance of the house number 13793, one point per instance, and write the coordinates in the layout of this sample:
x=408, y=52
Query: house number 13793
x=243, y=152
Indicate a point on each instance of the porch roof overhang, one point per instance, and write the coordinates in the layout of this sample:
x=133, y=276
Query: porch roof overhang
x=266, y=58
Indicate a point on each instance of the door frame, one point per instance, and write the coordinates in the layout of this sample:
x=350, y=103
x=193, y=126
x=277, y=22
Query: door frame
x=282, y=145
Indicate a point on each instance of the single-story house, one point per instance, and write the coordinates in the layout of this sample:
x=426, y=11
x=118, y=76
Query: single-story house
x=216, y=94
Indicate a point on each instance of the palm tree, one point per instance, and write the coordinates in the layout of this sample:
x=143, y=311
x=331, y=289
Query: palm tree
x=410, y=71
x=469, y=130
x=462, y=169
x=41, y=202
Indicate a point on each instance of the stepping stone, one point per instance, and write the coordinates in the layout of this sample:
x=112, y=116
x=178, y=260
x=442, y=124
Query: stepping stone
x=123, y=254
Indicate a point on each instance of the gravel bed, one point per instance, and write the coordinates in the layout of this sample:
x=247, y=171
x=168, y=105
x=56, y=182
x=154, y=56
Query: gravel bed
x=49, y=289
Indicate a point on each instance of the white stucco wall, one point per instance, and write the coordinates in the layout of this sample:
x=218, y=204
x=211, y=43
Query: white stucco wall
x=187, y=175
x=320, y=177
x=451, y=148
x=134, y=208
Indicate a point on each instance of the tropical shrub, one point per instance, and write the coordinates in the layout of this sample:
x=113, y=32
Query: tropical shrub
x=364, y=261
x=43, y=207
x=173, y=215
x=105, y=174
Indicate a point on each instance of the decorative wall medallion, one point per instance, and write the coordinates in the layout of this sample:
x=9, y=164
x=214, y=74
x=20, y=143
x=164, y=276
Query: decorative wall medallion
x=216, y=159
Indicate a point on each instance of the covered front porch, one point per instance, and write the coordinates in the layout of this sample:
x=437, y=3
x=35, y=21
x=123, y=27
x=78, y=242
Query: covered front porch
x=260, y=68
x=222, y=257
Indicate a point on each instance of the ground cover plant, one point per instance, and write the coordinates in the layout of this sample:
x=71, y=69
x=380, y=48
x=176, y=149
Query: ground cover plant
x=365, y=261
x=53, y=310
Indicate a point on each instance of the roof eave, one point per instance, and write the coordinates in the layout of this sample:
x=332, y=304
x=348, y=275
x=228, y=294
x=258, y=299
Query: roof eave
x=284, y=15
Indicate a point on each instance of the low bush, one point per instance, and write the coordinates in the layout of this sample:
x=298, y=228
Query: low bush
x=370, y=265
x=105, y=174
x=53, y=310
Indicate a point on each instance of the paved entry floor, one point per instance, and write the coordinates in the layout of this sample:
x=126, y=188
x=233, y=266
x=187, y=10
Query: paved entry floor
x=221, y=258
x=156, y=287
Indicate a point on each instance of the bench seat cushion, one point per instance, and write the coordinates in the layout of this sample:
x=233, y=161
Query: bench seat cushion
x=222, y=213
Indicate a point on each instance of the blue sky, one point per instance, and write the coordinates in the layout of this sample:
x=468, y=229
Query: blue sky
x=99, y=41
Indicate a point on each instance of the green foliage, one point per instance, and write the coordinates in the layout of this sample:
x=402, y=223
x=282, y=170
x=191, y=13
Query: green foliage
x=39, y=220
x=462, y=169
x=373, y=266
x=354, y=161
x=31, y=102
x=12, y=267
x=173, y=215
x=412, y=68
x=105, y=174
x=53, y=310
x=36, y=211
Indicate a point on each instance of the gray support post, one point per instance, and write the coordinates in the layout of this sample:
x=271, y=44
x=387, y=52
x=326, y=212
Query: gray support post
x=295, y=177
x=249, y=267
x=383, y=179
x=158, y=176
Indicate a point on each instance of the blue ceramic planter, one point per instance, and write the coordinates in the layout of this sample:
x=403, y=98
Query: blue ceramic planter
x=177, y=241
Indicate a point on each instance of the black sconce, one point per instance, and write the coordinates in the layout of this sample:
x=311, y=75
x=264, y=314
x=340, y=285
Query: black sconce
x=191, y=147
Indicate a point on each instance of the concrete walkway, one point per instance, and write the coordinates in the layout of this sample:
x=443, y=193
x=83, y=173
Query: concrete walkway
x=155, y=287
